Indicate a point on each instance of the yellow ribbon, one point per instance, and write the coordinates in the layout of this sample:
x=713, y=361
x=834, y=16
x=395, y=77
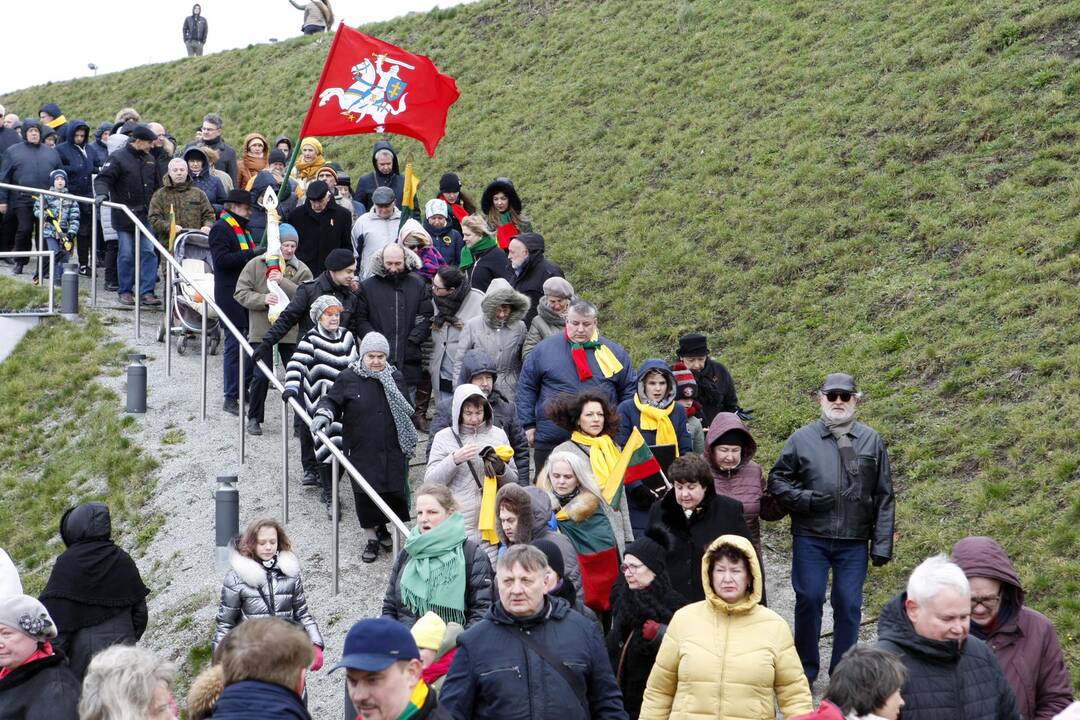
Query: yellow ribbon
x=603, y=457
x=654, y=418
x=486, y=522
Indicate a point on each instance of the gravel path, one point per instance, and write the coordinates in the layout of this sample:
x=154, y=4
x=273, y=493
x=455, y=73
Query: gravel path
x=179, y=564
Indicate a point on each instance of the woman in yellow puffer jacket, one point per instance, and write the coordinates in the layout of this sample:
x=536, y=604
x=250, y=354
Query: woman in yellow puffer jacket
x=727, y=657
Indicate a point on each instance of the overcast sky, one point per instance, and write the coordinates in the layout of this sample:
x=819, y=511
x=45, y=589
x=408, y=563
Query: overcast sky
x=56, y=39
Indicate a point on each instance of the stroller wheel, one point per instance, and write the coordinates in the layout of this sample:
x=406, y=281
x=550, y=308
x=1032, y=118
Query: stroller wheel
x=181, y=347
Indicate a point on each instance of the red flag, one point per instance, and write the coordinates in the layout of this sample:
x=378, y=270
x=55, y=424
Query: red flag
x=369, y=86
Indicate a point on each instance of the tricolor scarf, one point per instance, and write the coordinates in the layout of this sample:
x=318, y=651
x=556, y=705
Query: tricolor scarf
x=243, y=237
x=658, y=419
x=434, y=576
x=467, y=259
x=416, y=701
x=457, y=208
x=583, y=521
x=603, y=457
x=486, y=522
x=609, y=364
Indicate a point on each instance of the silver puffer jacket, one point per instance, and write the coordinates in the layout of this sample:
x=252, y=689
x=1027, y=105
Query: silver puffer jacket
x=248, y=588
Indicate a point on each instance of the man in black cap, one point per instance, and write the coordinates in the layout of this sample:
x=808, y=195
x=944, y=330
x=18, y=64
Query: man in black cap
x=833, y=477
x=232, y=246
x=384, y=673
x=375, y=229
x=129, y=177
x=322, y=225
x=716, y=389
x=335, y=280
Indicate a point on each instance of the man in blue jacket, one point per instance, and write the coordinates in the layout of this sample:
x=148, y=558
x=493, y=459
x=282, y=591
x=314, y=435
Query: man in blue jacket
x=531, y=658
x=567, y=363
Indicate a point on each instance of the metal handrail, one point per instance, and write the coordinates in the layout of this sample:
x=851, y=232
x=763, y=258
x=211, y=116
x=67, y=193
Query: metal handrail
x=39, y=254
x=339, y=459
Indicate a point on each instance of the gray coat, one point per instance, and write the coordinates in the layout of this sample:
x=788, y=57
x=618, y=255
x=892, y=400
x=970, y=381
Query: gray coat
x=501, y=341
x=544, y=324
x=250, y=589
x=478, y=578
x=445, y=340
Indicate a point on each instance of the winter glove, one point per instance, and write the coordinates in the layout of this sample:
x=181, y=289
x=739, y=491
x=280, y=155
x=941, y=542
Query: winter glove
x=878, y=560
x=320, y=424
x=289, y=392
x=652, y=629
x=98, y=199
x=745, y=415
x=493, y=465
x=820, y=502
x=317, y=664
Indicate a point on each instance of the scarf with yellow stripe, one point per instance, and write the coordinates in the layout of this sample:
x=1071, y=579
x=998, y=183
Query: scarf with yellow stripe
x=609, y=364
x=658, y=419
x=416, y=701
x=603, y=457
x=486, y=522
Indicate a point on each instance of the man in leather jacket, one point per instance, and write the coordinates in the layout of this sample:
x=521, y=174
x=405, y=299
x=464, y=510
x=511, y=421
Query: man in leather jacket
x=833, y=477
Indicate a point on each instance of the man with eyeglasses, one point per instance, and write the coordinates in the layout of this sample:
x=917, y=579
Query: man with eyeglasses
x=833, y=477
x=211, y=137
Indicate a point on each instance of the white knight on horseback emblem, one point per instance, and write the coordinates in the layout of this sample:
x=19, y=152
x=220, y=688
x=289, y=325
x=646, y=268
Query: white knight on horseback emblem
x=377, y=91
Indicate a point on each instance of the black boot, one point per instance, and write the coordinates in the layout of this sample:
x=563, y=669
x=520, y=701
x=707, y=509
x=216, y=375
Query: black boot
x=326, y=483
x=423, y=398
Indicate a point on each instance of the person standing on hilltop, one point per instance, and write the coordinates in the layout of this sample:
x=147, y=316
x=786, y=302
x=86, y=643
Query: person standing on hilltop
x=833, y=477
x=195, y=31
x=318, y=16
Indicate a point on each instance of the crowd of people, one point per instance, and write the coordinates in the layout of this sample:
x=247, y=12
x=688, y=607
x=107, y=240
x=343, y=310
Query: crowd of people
x=588, y=534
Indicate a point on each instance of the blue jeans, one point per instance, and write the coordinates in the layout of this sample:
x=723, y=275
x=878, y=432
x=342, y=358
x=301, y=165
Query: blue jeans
x=811, y=560
x=125, y=263
x=230, y=363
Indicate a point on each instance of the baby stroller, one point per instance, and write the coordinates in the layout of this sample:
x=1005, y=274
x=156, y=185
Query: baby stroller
x=192, y=251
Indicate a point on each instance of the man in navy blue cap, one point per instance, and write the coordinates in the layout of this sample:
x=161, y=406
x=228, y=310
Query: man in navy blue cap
x=384, y=673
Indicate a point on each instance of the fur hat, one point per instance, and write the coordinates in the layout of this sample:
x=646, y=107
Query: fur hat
x=321, y=304
x=504, y=186
x=27, y=615
x=693, y=345
x=374, y=342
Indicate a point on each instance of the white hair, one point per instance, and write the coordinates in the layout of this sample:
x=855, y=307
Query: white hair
x=120, y=684
x=384, y=153
x=584, y=308
x=933, y=575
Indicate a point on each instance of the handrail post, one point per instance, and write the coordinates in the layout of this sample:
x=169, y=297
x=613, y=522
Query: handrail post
x=93, y=254
x=41, y=238
x=240, y=397
x=52, y=289
x=167, y=320
x=285, y=462
x=202, y=345
x=335, y=512
x=138, y=287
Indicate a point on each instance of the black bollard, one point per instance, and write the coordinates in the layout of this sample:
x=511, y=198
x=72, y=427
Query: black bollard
x=226, y=519
x=136, y=384
x=69, y=292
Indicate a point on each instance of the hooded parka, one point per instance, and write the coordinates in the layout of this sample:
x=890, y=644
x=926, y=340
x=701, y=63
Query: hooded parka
x=465, y=480
x=500, y=340
x=28, y=164
x=77, y=161
x=727, y=661
x=534, y=272
x=375, y=179
x=1023, y=640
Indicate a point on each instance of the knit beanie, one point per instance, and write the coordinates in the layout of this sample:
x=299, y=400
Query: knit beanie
x=313, y=143
x=435, y=207
x=686, y=386
x=277, y=156
x=58, y=172
x=287, y=233
x=428, y=631
x=374, y=342
x=449, y=182
x=339, y=259
x=321, y=303
x=554, y=556
x=27, y=615
x=558, y=287
x=651, y=549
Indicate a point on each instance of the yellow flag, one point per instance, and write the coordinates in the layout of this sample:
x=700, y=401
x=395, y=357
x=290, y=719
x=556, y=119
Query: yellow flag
x=412, y=184
x=172, y=226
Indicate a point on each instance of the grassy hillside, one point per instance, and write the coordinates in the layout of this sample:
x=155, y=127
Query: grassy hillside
x=884, y=188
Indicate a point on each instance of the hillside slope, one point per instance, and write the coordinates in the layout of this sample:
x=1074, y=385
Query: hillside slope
x=886, y=188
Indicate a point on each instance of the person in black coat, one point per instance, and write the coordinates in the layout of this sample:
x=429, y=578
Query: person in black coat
x=643, y=603
x=335, y=280
x=482, y=259
x=322, y=225
x=29, y=163
x=129, y=177
x=378, y=435
x=211, y=138
x=95, y=592
x=386, y=173
x=694, y=515
x=35, y=681
x=232, y=246
x=716, y=388
x=531, y=269
x=97, y=150
x=75, y=154
x=396, y=302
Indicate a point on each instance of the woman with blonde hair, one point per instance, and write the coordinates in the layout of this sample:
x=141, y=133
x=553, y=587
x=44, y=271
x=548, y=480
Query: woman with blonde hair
x=306, y=169
x=128, y=683
x=264, y=581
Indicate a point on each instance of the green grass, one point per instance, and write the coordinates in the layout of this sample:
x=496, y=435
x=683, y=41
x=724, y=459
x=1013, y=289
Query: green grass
x=65, y=442
x=16, y=295
x=883, y=188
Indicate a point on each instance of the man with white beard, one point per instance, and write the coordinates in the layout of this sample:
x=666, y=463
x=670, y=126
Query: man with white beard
x=833, y=477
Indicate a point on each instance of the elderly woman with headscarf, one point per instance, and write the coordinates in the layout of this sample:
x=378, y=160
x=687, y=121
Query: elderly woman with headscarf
x=95, y=593
x=378, y=435
x=35, y=681
x=308, y=164
x=550, y=315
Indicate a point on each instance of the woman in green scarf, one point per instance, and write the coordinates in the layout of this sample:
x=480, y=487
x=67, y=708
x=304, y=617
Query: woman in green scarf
x=481, y=259
x=439, y=569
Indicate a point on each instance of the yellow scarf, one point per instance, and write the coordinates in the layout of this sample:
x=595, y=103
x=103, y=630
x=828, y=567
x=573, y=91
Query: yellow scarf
x=609, y=364
x=603, y=457
x=654, y=418
x=486, y=522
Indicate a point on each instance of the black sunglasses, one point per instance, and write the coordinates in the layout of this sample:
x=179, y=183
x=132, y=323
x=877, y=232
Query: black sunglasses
x=832, y=395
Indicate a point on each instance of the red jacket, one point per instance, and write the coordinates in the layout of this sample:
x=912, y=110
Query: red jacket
x=825, y=711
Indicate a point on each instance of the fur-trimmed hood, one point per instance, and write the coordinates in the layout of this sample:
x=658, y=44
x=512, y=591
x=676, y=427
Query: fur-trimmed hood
x=254, y=574
x=500, y=293
x=204, y=693
x=412, y=261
